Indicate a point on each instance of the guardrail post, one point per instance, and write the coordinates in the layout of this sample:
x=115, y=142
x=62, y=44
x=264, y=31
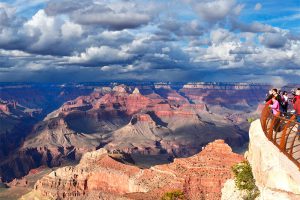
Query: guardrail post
x=282, y=144
x=273, y=122
x=264, y=117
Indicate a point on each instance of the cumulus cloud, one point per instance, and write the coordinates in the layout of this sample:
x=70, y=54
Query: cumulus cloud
x=128, y=39
x=220, y=35
x=108, y=14
x=216, y=10
x=99, y=55
x=273, y=40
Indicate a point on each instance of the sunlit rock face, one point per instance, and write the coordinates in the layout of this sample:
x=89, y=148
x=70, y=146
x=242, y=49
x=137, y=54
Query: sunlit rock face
x=276, y=176
x=99, y=173
x=162, y=120
x=271, y=168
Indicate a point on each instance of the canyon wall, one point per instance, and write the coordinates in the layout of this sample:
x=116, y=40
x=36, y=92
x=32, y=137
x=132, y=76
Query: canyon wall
x=100, y=175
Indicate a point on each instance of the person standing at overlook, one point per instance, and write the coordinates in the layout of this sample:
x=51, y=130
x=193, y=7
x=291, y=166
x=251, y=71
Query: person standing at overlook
x=275, y=105
x=272, y=93
x=285, y=101
x=296, y=104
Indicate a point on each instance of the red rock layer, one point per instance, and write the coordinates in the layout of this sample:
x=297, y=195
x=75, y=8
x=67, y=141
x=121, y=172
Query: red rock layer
x=200, y=177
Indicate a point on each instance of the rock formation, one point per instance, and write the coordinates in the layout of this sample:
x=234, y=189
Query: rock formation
x=100, y=175
x=276, y=176
x=160, y=119
x=18, y=183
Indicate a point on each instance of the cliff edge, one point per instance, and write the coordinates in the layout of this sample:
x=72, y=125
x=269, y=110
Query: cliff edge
x=276, y=176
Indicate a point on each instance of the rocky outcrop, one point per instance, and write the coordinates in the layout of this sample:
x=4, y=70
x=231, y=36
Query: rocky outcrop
x=18, y=183
x=237, y=96
x=276, y=176
x=271, y=168
x=100, y=175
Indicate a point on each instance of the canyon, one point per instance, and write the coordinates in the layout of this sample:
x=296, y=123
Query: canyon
x=152, y=123
x=101, y=175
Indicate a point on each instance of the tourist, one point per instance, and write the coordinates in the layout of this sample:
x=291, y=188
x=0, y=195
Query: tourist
x=296, y=104
x=271, y=94
x=284, y=101
x=275, y=104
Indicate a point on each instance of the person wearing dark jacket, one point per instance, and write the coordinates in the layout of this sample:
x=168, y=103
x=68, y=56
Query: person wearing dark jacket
x=285, y=101
x=272, y=92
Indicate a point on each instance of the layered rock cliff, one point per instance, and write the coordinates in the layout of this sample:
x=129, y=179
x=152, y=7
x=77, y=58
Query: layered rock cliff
x=100, y=175
x=163, y=119
x=123, y=119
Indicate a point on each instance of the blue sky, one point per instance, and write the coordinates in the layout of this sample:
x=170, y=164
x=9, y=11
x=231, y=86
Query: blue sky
x=178, y=40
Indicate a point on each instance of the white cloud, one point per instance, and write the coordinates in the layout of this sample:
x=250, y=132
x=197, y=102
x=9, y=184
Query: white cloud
x=14, y=53
x=219, y=35
x=216, y=10
x=71, y=30
x=45, y=28
x=100, y=54
x=257, y=6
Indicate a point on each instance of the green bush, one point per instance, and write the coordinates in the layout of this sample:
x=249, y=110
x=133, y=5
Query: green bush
x=250, y=119
x=244, y=180
x=173, y=195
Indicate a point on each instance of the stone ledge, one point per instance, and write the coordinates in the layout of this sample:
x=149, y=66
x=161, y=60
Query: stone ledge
x=271, y=168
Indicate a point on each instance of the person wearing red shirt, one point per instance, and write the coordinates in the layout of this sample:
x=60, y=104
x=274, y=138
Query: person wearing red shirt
x=296, y=104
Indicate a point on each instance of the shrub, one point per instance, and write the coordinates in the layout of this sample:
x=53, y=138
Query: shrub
x=244, y=180
x=173, y=195
x=250, y=120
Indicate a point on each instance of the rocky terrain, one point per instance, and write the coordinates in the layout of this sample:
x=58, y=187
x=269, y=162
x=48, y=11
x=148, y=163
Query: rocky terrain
x=276, y=176
x=102, y=175
x=44, y=96
x=15, y=121
x=153, y=122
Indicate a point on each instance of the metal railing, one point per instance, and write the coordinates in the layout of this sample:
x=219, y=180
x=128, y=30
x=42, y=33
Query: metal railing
x=283, y=132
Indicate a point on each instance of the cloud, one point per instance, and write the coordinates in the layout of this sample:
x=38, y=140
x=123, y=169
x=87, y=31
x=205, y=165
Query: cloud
x=108, y=14
x=99, y=55
x=209, y=40
x=181, y=29
x=216, y=10
x=220, y=35
x=273, y=40
x=257, y=7
x=254, y=27
x=56, y=7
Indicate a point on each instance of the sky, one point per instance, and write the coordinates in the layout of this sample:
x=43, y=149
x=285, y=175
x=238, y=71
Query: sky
x=170, y=40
